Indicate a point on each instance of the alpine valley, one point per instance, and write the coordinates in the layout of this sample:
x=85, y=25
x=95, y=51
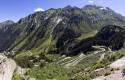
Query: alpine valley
x=68, y=43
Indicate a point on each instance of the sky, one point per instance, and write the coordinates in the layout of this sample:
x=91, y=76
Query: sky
x=16, y=9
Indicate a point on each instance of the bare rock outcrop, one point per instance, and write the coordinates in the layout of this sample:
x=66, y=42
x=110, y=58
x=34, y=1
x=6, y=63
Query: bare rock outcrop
x=7, y=68
x=117, y=73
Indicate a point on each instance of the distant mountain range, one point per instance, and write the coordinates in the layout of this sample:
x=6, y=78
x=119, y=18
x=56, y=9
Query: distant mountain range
x=5, y=23
x=56, y=30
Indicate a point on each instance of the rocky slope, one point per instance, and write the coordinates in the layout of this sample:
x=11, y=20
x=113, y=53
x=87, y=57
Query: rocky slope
x=7, y=68
x=118, y=72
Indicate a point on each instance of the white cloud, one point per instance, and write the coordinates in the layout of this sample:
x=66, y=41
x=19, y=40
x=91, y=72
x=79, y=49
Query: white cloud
x=39, y=9
x=91, y=1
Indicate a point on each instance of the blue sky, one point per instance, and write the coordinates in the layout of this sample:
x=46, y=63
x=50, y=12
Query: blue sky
x=16, y=9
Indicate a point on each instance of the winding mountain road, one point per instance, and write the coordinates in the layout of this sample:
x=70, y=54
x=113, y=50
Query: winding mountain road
x=67, y=62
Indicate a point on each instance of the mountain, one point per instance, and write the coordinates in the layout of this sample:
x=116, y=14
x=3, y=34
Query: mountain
x=5, y=23
x=110, y=36
x=56, y=29
x=68, y=43
x=5, y=34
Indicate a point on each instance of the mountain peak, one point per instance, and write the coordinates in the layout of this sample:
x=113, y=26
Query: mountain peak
x=68, y=7
x=7, y=22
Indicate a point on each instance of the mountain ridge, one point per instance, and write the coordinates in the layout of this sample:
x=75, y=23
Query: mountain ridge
x=55, y=28
x=68, y=43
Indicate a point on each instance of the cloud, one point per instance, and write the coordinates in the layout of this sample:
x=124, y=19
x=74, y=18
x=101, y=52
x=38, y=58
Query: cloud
x=38, y=9
x=91, y=1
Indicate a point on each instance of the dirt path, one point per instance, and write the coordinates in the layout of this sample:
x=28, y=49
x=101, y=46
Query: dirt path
x=102, y=57
x=75, y=61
